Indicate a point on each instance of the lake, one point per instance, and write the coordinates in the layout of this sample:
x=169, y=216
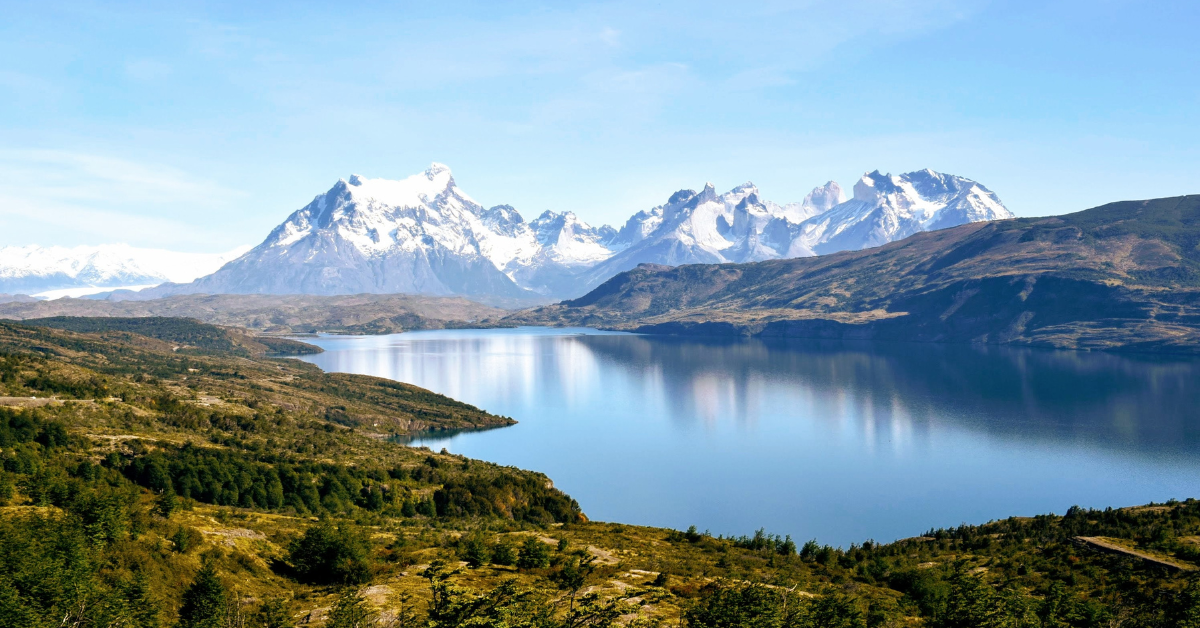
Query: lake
x=834, y=441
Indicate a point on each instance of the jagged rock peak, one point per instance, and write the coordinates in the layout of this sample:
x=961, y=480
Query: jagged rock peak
x=824, y=197
x=682, y=196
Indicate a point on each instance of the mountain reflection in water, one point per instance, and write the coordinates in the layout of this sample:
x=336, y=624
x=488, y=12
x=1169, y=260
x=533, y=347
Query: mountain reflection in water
x=837, y=441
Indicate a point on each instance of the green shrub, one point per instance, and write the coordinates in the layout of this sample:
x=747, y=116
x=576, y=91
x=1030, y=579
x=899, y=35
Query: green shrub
x=331, y=555
x=534, y=554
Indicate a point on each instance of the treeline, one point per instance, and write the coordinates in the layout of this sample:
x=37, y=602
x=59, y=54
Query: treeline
x=234, y=478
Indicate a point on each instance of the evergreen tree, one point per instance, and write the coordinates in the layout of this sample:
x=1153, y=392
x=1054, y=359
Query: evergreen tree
x=166, y=504
x=723, y=606
x=204, y=601
x=476, y=551
x=503, y=553
x=534, y=554
x=140, y=607
x=331, y=555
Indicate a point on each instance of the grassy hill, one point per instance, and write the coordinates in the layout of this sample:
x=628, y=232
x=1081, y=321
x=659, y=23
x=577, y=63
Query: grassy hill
x=183, y=333
x=141, y=485
x=1123, y=276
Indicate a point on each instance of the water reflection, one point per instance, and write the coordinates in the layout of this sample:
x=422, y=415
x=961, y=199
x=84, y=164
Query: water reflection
x=839, y=441
x=1144, y=402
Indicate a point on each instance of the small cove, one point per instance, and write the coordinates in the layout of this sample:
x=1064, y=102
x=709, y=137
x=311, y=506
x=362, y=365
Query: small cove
x=834, y=441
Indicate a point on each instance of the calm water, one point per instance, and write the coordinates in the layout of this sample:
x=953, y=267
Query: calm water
x=833, y=441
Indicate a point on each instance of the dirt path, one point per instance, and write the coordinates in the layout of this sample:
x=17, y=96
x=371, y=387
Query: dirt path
x=1102, y=545
x=27, y=402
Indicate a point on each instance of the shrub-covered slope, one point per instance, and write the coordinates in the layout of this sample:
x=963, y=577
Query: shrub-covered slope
x=142, y=486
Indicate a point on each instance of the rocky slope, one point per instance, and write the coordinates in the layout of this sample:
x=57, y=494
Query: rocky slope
x=1121, y=276
x=425, y=235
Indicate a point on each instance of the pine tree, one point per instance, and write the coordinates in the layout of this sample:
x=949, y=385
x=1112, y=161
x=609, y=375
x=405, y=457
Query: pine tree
x=204, y=601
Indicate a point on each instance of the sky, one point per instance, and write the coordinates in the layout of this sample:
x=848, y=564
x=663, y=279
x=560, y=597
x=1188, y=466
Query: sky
x=198, y=126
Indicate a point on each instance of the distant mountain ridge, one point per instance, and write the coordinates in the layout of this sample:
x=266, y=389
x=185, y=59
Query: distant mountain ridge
x=1123, y=276
x=425, y=235
x=35, y=269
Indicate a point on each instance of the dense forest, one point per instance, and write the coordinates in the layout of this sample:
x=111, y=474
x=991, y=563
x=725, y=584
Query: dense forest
x=141, y=486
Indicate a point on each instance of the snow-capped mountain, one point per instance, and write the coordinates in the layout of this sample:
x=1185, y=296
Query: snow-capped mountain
x=424, y=234
x=420, y=235
x=739, y=226
x=892, y=207
x=82, y=269
x=707, y=228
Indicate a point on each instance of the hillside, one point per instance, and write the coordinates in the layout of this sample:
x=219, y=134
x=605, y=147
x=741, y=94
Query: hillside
x=184, y=334
x=277, y=314
x=145, y=486
x=1124, y=276
x=177, y=361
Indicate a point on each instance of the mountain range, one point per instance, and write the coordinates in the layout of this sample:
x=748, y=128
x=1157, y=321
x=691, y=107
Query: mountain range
x=424, y=234
x=1123, y=276
x=61, y=271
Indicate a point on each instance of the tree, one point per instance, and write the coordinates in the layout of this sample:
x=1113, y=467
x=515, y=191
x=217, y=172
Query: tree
x=834, y=611
x=331, y=555
x=139, y=605
x=476, y=551
x=534, y=554
x=503, y=553
x=725, y=606
x=204, y=601
x=1184, y=609
x=972, y=603
x=273, y=614
x=350, y=611
x=453, y=606
x=165, y=504
x=571, y=576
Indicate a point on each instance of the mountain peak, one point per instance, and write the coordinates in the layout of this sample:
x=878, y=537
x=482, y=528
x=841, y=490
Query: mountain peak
x=745, y=187
x=436, y=169
x=824, y=197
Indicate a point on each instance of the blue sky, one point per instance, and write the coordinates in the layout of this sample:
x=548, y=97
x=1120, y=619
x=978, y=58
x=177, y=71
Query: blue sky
x=199, y=126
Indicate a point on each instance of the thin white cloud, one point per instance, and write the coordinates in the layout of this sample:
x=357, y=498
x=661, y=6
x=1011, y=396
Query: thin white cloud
x=61, y=174
x=99, y=198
